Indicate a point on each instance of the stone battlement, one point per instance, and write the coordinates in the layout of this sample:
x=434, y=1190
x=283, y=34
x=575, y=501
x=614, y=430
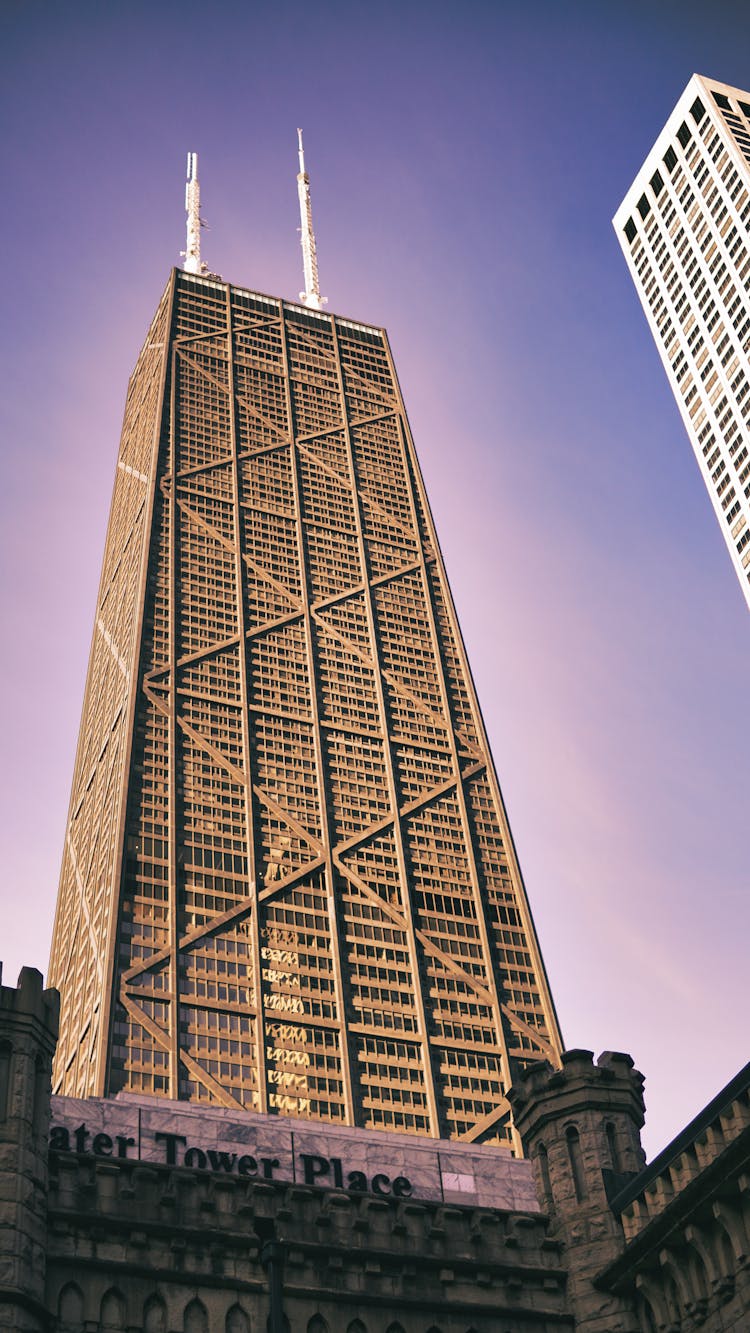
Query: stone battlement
x=723, y=1125
x=30, y=1000
x=578, y=1082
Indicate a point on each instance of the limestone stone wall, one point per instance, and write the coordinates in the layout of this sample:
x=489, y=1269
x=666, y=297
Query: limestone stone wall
x=28, y=1031
x=211, y=1138
x=580, y=1125
x=686, y=1221
x=169, y=1249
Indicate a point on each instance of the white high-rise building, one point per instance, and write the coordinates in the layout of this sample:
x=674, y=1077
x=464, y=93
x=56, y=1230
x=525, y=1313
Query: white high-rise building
x=684, y=227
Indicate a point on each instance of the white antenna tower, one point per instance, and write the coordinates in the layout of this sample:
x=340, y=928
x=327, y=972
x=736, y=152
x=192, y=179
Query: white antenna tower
x=311, y=297
x=192, y=253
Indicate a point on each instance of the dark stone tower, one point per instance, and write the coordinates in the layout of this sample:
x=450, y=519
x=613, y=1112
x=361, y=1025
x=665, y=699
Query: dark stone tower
x=581, y=1125
x=28, y=1033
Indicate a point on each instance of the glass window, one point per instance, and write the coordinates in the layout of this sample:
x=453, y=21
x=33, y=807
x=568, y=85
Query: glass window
x=684, y=135
x=697, y=111
x=657, y=184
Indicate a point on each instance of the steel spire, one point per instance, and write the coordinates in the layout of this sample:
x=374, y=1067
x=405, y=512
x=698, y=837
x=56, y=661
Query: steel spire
x=192, y=253
x=311, y=296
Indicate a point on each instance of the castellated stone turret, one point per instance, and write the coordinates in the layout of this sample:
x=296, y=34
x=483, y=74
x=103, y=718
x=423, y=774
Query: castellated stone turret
x=28, y=1033
x=580, y=1125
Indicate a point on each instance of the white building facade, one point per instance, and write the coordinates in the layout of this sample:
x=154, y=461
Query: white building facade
x=684, y=228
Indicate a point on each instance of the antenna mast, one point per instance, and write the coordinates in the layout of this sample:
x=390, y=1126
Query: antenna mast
x=311, y=297
x=192, y=253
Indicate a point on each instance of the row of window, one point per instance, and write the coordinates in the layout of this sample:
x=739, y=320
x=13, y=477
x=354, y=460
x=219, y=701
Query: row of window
x=736, y=311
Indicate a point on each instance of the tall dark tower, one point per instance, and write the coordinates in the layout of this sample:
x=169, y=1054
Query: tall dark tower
x=288, y=883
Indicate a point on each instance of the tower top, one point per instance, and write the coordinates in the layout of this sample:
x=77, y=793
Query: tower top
x=311, y=296
x=192, y=252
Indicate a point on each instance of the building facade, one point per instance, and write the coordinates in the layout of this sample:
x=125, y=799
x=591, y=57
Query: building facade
x=683, y=227
x=291, y=917
x=142, y=1215
x=662, y=1248
x=684, y=1259
x=289, y=885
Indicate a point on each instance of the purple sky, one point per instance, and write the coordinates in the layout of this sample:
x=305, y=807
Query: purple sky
x=466, y=160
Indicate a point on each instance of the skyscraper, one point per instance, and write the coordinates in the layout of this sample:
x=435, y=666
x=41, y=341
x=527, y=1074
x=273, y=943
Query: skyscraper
x=683, y=227
x=288, y=882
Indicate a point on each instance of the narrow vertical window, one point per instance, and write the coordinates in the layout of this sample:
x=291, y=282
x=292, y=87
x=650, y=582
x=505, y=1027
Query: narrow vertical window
x=576, y=1162
x=6, y=1050
x=648, y=1322
x=41, y=1095
x=543, y=1160
x=614, y=1154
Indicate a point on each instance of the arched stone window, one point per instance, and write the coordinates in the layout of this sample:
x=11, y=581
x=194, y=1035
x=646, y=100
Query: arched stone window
x=195, y=1319
x=154, y=1316
x=671, y=1298
x=41, y=1095
x=727, y=1256
x=6, y=1052
x=237, y=1321
x=356, y=1326
x=612, y=1148
x=394, y=1328
x=646, y=1316
x=575, y=1157
x=112, y=1315
x=543, y=1160
x=317, y=1324
x=70, y=1309
x=700, y=1277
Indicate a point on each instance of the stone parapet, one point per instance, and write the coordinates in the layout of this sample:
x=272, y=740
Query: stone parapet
x=686, y=1221
x=175, y=1235
x=720, y=1126
x=544, y=1094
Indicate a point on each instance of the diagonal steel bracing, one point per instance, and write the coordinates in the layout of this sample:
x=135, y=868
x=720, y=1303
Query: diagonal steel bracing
x=294, y=887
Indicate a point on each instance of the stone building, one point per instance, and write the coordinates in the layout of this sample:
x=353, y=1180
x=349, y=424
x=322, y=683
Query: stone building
x=685, y=1220
x=151, y=1217
x=28, y=1036
x=663, y=1248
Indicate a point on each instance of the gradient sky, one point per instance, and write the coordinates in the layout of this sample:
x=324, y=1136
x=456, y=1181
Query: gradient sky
x=466, y=160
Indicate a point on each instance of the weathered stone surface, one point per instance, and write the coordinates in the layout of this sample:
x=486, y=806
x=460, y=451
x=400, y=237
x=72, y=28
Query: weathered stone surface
x=571, y=1121
x=440, y=1233
x=279, y=1148
x=28, y=1030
